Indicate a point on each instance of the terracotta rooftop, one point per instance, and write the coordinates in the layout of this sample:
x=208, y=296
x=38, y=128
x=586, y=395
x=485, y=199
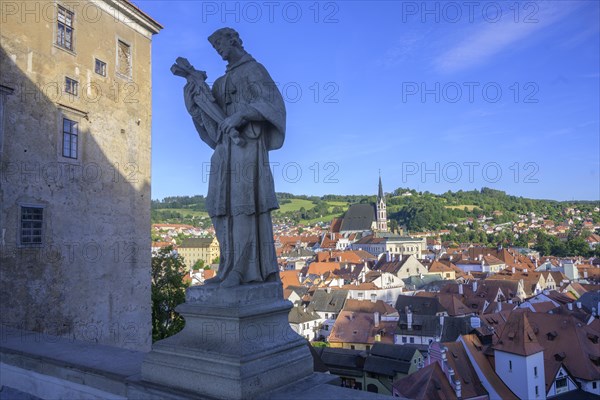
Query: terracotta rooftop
x=319, y=268
x=368, y=306
x=429, y=383
x=463, y=369
x=517, y=336
x=289, y=278
x=476, y=352
x=359, y=327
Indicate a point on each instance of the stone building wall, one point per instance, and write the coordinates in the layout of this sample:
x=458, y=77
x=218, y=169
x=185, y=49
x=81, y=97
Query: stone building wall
x=89, y=278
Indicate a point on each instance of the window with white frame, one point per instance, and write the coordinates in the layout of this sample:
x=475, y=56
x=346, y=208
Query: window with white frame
x=70, y=138
x=65, y=28
x=100, y=67
x=32, y=219
x=71, y=86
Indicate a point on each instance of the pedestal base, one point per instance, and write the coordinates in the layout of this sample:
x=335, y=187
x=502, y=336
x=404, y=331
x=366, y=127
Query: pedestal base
x=237, y=343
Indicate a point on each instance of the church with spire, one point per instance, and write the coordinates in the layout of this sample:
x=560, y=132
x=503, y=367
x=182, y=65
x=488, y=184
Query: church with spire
x=380, y=210
x=365, y=226
x=364, y=218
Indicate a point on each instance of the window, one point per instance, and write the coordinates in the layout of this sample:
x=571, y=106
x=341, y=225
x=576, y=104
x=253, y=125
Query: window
x=535, y=371
x=100, y=67
x=123, y=59
x=561, y=383
x=403, y=339
x=594, y=385
x=509, y=365
x=64, y=32
x=412, y=339
x=351, y=347
x=31, y=225
x=71, y=86
x=70, y=138
x=537, y=391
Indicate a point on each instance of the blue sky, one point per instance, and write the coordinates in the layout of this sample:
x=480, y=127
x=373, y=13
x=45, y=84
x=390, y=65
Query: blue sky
x=437, y=95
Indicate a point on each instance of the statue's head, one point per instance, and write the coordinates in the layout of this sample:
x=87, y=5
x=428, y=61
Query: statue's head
x=224, y=40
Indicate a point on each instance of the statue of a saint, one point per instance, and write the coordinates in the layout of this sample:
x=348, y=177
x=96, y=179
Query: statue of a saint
x=242, y=118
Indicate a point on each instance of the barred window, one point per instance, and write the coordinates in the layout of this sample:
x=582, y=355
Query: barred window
x=64, y=33
x=31, y=225
x=70, y=138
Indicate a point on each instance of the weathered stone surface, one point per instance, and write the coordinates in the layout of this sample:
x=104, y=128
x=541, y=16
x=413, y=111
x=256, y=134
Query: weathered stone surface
x=52, y=368
x=89, y=278
x=237, y=343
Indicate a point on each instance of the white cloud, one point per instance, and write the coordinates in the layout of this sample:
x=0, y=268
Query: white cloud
x=489, y=39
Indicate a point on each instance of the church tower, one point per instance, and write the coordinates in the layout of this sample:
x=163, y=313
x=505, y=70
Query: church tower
x=382, y=225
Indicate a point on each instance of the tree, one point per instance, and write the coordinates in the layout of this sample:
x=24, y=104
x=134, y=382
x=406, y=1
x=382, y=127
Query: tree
x=168, y=291
x=198, y=265
x=393, y=225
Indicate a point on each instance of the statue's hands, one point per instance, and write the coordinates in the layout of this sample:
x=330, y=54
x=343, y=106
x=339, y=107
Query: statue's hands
x=189, y=91
x=231, y=123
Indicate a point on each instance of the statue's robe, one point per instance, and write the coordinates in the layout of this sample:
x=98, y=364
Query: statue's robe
x=241, y=193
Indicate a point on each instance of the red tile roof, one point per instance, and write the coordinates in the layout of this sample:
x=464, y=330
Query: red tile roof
x=517, y=336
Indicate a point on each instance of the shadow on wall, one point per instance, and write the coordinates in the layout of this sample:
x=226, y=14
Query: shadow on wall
x=80, y=267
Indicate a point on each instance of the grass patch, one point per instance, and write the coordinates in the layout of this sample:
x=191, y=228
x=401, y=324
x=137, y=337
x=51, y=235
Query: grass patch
x=295, y=205
x=468, y=207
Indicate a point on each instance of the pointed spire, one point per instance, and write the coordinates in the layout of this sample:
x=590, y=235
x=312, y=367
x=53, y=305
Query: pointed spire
x=380, y=195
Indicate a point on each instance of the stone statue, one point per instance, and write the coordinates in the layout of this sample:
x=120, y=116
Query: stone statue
x=242, y=118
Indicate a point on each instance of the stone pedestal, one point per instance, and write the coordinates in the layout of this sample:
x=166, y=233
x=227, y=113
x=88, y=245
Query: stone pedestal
x=237, y=343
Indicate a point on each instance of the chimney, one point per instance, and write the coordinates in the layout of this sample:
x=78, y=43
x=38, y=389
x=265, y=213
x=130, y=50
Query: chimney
x=376, y=318
x=460, y=288
x=351, y=267
x=498, y=307
x=409, y=318
x=458, y=388
x=585, y=274
x=474, y=286
x=451, y=374
x=373, y=299
x=513, y=269
x=442, y=321
x=388, y=256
